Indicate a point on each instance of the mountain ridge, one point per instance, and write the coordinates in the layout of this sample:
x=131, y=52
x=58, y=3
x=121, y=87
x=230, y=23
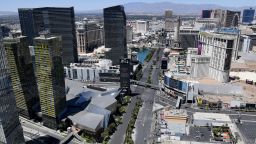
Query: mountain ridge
x=158, y=8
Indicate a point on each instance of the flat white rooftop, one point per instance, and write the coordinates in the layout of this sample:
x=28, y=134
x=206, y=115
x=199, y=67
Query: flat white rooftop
x=215, y=117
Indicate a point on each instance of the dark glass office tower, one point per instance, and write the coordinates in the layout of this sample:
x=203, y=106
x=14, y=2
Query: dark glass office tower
x=10, y=128
x=206, y=13
x=50, y=79
x=115, y=33
x=58, y=21
x=22, y=76
x=27, y=24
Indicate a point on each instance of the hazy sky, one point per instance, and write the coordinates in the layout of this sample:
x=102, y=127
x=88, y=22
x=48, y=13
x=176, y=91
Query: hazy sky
x=12, y=5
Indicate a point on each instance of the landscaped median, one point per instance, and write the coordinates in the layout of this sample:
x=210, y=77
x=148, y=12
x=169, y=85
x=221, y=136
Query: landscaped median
x=129, y=130
x=117, y=119
x=150, y=54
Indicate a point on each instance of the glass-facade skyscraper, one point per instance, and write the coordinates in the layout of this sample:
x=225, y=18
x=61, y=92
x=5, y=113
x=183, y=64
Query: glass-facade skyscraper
x=22, y=76
x=58, y=21
x=10, y=128
x=248, y=15
x=115, y=33
x=50, y=79
x=206, y=13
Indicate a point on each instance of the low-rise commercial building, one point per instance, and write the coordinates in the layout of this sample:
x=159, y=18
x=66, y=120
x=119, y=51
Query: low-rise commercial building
x=90, y=70
x=90, y=109
x=176, y=121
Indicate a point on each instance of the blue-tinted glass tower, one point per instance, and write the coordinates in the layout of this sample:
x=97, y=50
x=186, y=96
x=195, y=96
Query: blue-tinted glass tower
x=248, y=15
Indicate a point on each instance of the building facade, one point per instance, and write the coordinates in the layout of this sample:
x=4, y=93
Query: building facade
x=89, y=36
x=129, y=33
x=22, y=76
x=168, y=14
x=50, y=79
x=10, y=128
x=227, y=18
x=176, y=37
x=248, y=15
x=58, y=21
x=190, y=53
x=115, y=33
x=90, y=71
x=169, y=25
x=222, y=48
x=199, y=66
x=207, y=23
x=232, y=18
x=5, y=30
x=188, y=37
x=141, y=26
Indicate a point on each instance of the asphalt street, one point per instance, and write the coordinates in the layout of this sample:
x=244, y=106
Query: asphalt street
x=144, y=120
x=119, y=135
x=248, y=132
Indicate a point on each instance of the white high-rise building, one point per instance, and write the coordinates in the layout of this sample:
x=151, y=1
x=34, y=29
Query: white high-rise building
x=10, y=128
x=222, y=47
x=141, y=26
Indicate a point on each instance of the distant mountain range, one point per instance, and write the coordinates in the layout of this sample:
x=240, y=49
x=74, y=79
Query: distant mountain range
x=3, y=13
x=159, y=8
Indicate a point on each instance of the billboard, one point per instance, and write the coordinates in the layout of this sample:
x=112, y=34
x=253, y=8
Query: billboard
x=176, y=84
x=164, y=63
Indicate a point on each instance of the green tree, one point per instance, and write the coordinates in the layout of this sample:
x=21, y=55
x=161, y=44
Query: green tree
x=105, y=134
x=112, y=127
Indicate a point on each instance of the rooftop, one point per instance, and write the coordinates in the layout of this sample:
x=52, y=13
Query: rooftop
x=217, y=117
x=176, y=116
x=87, y=120
x=227, y=36
x=103, y=101
x=187, y=78
x=176, y=113
x=77, y=87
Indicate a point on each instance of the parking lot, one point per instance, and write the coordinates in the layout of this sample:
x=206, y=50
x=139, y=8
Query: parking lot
x=199, y=134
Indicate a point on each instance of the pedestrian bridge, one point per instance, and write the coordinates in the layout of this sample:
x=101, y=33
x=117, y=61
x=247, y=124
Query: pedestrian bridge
x=72, y=138
x=147, y=85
